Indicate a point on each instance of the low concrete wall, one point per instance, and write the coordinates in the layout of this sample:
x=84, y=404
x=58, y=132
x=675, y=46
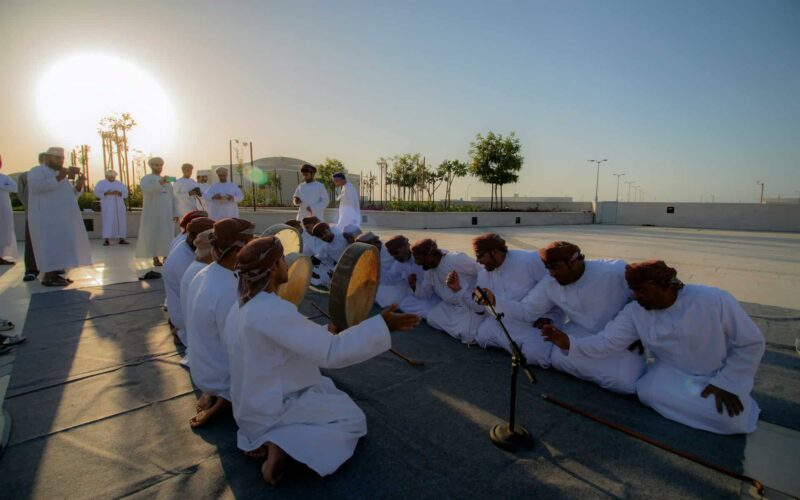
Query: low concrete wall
x=561, y=206
x=402, y=220
x=734, y=216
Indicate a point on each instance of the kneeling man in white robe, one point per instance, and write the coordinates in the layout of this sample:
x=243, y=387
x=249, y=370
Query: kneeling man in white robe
x=329, y=247
x=203, y=257
x=451, y=276
x=285, y=409
x=510, y=275
x=211, y=294
x=703, y=342
x=112, y=194
x=589, y=294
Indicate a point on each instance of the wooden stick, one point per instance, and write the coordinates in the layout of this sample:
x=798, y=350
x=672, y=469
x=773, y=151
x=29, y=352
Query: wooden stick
x=630, y=432
x=412, y=362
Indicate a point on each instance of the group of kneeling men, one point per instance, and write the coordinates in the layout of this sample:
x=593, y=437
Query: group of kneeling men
x=594, y=319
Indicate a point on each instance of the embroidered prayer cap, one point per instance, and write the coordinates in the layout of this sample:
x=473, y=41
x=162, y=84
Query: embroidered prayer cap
x=221, y=169
x=651, y=271
x=351, y=230
x=199, y=224
x=339, y=175
x=254, y=265
x=295, y=224
x=156, y=160
x=396, y=242
x=307, y=167
x=424, y=247
x=319, y=228
x=559, y=251
x=190, y=216
x=310, y=221
x=488, y=242
x=55, y=151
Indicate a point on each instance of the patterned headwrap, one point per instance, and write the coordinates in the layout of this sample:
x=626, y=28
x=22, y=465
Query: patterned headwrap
x=189, y=216
x=319, y=228
x=488, y=242
x=560, y=251
x=307, y=167
x=231, y=233
x=652, y=271
x=425, y=247
x=295, y=224
x=197, y=226
x=396, y=243
x=254, y=266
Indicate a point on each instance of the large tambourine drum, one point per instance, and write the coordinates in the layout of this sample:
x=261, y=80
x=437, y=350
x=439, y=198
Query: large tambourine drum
x=295, y=288
x=290, y=237
x=354, y=285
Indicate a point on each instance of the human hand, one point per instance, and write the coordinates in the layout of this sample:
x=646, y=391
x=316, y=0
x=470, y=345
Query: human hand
x=724, y=398
x=556, y=336
x=539, y=323
x=478, y=297
x=333, y=329
x=296, y=200
x=453, y=282
x=398, y=322
x=637, y=346
x=163, y=181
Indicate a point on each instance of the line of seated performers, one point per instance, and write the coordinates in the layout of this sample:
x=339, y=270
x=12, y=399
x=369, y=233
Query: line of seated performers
x=251, y=352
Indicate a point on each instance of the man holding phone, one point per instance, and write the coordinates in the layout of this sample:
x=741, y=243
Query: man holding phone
x=159, y=213
x=57, y=231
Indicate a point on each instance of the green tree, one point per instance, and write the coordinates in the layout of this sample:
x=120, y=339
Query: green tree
x=325, y=171
x=404, y=174
x=450, y=170
x=496, y=161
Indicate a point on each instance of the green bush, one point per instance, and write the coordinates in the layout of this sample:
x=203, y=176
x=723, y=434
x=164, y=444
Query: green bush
x=90, y=201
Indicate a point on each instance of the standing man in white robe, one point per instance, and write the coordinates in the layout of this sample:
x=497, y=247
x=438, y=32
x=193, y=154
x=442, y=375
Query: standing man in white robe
x=511, y=275
x=451, y=276
x=311, y=196
x=282, y=404
x=58, y=234
x=112, y=194
x=187, y=192
x=349, y=202
x=703, y=342
x=329, y=249
x=159, y=214
x=589, y=294
x=8, y=239
x=31, y=271
x=222, y=198
x=211, y=294
x=174, y=267
x=396, y=266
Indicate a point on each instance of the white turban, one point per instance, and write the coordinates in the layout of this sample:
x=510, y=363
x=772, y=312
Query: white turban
x=156, y=159
x=111, y=173
x=221, y=169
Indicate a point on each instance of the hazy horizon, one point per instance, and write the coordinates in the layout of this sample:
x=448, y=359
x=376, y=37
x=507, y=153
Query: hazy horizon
x=688, y=99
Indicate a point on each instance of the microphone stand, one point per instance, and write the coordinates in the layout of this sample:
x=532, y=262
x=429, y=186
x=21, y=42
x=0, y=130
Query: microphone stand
x=510, y=437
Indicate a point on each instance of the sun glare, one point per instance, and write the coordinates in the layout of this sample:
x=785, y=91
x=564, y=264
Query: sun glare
x=76, y=92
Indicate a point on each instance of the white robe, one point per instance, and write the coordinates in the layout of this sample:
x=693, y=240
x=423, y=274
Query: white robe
x=309, y=244
x=394, y=289
x=588, y=304
x=453, y=314
x=280, y=396
x=177, y=240
x=211, y=294
x=112, y=207
x=704, y=338
x=156, y=228
x=58, y=234
x=513, y=280
x=349, y=207
x=185, y=202
x=8, y=239
x=313, y=196
x=328, y=254
x=223, y=208
x=172, y=273
x=191, y=271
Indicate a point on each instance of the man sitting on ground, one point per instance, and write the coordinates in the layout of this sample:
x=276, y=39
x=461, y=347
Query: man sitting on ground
x=329, y=248
x=703, y=343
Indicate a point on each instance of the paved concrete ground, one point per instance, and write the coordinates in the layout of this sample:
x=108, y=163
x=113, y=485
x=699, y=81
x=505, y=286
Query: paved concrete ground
x=760, y=268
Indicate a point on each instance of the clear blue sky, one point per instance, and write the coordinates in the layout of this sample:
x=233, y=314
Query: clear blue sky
x=688, y=98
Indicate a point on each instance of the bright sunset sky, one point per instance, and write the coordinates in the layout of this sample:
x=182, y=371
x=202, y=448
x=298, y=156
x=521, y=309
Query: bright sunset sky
x=688, y=98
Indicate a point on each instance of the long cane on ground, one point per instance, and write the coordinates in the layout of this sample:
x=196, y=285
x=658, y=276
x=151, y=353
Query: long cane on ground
x=412, y=362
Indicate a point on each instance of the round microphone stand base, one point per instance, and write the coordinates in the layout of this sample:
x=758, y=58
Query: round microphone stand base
x=511, y=441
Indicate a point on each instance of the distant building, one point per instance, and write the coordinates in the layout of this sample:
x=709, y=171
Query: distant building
x=526, y=199
x=287, y=170
x=783, y=201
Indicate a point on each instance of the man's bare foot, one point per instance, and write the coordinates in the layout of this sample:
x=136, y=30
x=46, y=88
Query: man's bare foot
x=260, y=452
x=157, y=262
x=274, y=467
x=205, y=402
x=205, y=416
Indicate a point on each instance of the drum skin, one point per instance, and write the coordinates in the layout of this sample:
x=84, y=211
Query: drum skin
x=354, y=285
x=300, y=268
x=290, y=237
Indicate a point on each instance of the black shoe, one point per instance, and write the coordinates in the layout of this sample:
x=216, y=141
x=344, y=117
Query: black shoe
x=29, y=276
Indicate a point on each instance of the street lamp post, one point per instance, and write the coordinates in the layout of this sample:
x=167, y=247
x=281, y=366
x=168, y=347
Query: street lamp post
x=597, y=182
x=762, y=191
x=635, y=194
x=617, y=176
x=629, y=183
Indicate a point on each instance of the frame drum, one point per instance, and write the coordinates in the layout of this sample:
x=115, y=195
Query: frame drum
x=294, y=290
x=290, y=238
x=354, y=285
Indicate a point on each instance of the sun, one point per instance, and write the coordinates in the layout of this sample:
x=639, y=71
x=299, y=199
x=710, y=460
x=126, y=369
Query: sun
x=77, y=91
